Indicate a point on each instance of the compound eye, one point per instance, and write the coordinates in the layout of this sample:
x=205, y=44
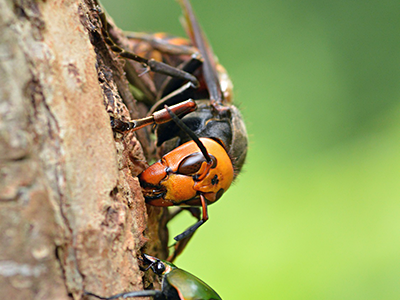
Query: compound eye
x=159, y=268
x=191, y=164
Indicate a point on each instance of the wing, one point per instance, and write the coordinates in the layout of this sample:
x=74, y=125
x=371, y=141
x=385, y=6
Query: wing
x=199, y=40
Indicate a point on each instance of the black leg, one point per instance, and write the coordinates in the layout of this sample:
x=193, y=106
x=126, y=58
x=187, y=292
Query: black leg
x=149, y=293
x=193, y=228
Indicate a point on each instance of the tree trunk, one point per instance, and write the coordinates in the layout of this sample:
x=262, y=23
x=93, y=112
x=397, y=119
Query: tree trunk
x=72, y=213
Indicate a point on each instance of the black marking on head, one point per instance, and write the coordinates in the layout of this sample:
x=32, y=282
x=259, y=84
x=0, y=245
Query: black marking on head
x=215, y=180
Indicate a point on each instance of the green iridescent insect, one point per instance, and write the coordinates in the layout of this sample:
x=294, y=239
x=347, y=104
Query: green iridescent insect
x=177, y=284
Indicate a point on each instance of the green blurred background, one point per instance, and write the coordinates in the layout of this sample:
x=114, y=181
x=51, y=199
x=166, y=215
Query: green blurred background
x=316, y=211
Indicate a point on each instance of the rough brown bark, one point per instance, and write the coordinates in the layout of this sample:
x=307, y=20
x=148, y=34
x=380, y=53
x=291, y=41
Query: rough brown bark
x=72, y=215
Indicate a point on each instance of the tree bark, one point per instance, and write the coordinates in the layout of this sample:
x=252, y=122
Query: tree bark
x=72, y=215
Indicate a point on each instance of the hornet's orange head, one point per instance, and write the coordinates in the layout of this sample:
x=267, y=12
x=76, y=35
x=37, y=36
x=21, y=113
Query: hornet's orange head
x=183, y=174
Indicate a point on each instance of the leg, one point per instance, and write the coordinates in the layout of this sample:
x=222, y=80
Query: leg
x=159, y=117
x=175, y=51
x=151, y=64
x=149, y=293
x=191, y=230
x=163, y=43
x=181, y=245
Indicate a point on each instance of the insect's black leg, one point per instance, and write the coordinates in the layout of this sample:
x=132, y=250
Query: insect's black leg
x=149, y=293
x=188, y=232
x=178, y=247
x=152, y=64
x=174, y=83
